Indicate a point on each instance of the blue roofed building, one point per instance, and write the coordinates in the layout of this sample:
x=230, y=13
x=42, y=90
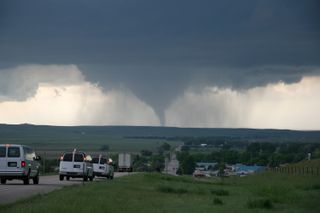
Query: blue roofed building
x=241, y=169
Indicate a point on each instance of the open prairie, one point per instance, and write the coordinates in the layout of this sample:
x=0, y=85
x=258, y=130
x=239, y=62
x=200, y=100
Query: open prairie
x=143, y=192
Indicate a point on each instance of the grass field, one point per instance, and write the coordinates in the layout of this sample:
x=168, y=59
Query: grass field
x=90, y=142
x=306, y=163
x=56, y=140
x=265, y=192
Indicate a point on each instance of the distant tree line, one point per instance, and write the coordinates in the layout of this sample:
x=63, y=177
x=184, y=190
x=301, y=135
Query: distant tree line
x=262, y=154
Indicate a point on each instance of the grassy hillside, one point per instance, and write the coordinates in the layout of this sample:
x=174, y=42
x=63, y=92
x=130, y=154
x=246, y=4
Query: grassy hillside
x=35, y=132
x=55, y=139
x=267, y=192
x=307, y=163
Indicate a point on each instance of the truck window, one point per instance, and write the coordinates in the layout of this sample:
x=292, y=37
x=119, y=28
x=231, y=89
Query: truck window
x=95, y=160
x=78, y=158
x=13, y=152
x=67, y=157
x=2, y=152
x=103, y=161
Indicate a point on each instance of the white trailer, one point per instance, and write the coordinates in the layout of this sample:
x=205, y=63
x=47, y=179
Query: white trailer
x=125, y=162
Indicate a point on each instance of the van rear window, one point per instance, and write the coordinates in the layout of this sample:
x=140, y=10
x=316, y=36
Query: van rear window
x=95, y=160
x=2, y=152
x=13, y=152
x=103, y=161
x=67, y=157
x=78, y=158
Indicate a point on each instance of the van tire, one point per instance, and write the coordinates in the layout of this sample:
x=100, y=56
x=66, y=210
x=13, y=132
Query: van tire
x=3, y=181
x=61, y=177
x=36, y=179
x=26, y=180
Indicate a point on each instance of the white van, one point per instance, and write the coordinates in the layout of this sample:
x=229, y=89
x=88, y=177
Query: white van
x=75, y=165
x=102, y=167
x=18, y=162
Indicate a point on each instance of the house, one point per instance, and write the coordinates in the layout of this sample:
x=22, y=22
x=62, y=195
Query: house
x=203, y=166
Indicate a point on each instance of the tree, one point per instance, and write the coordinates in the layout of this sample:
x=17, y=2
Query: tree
x=268, y=148
x=146, y=153
x=185, y=148
x=254, y=148
x=230, y=156
x=317, y=153
x=157, y=163
x=222, y=167
x=274, y=160
x=188, y=165
x=166, y=146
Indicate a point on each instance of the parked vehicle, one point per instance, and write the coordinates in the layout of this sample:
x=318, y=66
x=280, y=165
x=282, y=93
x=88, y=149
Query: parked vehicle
x=102, y=167
x=125, y=162
x=76, y=165
x=199, y=173
x=18, y=162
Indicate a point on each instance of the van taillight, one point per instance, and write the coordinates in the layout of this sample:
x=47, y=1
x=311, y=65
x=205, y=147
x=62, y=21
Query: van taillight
x=23, y=164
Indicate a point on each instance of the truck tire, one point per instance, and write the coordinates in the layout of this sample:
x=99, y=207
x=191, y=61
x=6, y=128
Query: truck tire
x=3, y=181
x=61, y=177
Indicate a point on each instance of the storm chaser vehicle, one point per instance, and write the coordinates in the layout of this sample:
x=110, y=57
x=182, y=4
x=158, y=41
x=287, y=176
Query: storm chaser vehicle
x=103, y=167
x=75, y=165
x=18, y=162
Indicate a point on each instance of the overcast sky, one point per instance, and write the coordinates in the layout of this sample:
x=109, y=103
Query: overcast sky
x=179, y=63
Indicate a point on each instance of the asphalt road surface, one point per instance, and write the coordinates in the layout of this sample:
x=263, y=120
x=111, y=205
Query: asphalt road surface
x=15, y=190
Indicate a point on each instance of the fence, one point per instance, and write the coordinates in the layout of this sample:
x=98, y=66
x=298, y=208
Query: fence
x=297, y=170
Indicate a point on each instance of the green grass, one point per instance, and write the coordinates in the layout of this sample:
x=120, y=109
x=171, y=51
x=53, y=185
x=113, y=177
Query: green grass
x=169, y=189
x=54, y=140
x=116, y=144
x=220, y=192
x=260, y=203
x=264, y=192
x=217, y=201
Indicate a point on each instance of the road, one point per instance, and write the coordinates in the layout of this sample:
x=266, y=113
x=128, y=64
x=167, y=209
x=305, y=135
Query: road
x=15, y=190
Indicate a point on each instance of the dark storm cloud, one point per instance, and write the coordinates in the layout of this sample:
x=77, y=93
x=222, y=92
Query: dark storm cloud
x=160, y=32
x=159, y=48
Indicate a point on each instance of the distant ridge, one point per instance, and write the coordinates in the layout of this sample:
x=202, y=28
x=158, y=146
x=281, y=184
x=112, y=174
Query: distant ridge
x=25, y=130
